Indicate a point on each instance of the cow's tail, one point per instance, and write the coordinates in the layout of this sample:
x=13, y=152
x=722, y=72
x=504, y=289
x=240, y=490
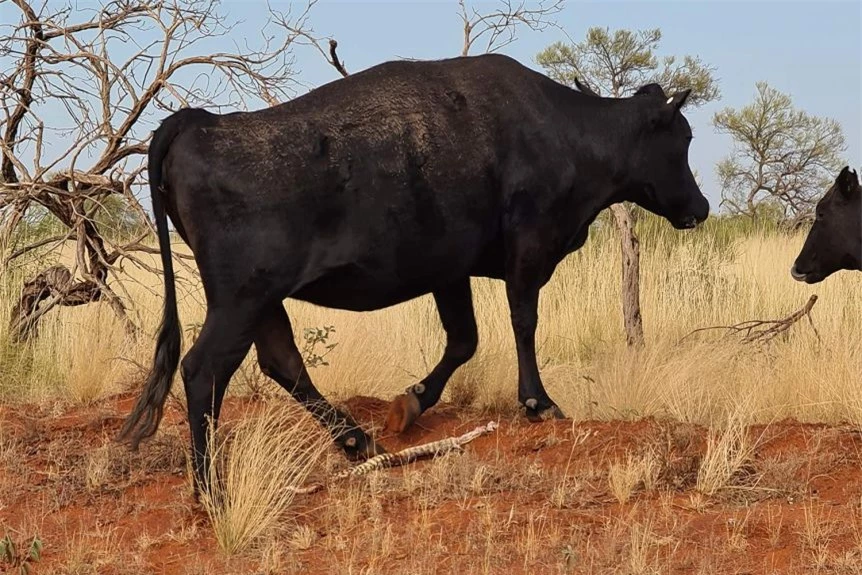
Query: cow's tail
x=144, y=419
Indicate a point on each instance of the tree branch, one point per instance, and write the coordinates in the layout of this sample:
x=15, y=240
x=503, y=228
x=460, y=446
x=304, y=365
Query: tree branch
x=334, y=58
x=100, y=106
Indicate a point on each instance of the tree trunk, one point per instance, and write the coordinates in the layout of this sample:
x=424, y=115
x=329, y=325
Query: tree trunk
x=631, y=275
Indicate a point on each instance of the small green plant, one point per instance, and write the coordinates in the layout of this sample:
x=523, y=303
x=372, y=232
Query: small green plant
x=10, y=556
x=314, y=336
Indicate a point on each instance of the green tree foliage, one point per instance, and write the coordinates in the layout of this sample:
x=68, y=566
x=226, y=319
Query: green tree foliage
x=781, y=156
x=618, y=63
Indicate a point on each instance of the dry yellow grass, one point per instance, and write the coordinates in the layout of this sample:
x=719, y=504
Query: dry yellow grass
x=695, y=282
x=255, y=465
x=728, y=449
x=624, y=477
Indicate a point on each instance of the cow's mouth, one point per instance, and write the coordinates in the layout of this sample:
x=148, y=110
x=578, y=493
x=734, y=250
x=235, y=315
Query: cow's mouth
x=797, y=275
x=809, y=278
x=687, y=223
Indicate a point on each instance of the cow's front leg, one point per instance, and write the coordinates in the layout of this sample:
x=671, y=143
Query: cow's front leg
x=527, y=271
x=455, y=306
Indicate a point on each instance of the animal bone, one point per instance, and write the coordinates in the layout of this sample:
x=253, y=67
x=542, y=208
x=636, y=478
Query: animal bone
x=434, y=449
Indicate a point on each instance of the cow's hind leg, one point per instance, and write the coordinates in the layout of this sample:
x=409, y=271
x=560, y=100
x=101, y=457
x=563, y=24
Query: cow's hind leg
x=455, y=306
x=280, y=360
x=206, y=370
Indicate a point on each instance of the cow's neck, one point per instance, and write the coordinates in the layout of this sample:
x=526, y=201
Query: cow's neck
x=601, y=174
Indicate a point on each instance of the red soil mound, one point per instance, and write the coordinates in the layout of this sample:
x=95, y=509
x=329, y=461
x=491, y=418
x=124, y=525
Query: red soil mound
x=528, y=498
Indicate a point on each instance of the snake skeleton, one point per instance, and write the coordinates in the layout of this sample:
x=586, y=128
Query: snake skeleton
x=433, y=449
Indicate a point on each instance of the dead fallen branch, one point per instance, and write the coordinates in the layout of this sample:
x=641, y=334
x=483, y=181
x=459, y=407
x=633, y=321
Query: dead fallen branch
x=763, y=331
x=55, y=283
x=405, y=456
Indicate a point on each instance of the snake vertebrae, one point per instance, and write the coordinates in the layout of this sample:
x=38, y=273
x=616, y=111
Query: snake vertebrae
x=433, y=449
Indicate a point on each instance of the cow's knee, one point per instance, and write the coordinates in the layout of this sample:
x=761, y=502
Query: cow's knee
x=266, y=364
x=190, y=368
x=463, y=348
x=277, y=368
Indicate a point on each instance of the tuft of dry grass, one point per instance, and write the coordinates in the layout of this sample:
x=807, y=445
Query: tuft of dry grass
x=97, y=466
x=93, y=552
x=774, y=524
x=818, y=529
x=737, y=532
x=255, y=464
x=625, y=477
x=302, y=538
x=728, y=449
x=8, y=447
x=641, y=550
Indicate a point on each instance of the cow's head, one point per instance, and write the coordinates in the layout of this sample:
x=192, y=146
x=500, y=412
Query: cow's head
x=658, y=176
x=834, y=241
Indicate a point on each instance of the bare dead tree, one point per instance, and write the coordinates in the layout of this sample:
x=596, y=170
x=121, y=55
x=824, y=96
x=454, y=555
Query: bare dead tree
x=499, y=26
x=302, y=33
x=78, y=92
x=630, y=247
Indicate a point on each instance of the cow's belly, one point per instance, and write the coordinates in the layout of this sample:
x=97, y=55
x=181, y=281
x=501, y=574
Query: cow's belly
x=350, y=289
x=366, y=280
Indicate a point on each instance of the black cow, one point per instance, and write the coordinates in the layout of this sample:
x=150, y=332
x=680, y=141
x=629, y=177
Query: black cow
x=834, y=241
x=401, y=180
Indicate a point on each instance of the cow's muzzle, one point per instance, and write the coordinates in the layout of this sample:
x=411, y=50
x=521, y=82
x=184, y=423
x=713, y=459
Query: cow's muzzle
x=797, y=275
x=807, y=277
x=686, y=223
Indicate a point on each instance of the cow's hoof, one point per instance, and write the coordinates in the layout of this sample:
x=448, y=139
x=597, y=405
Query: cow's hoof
x=403, y=411
x=359, y=446
x=537, y=415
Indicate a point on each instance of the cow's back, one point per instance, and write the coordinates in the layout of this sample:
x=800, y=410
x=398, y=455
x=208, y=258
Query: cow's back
x=449, y=114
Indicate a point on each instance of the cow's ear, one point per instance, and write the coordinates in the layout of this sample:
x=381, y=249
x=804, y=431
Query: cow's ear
x=848, y=182
x=669, y=107
x=584, y=88
x=651, y=89
x=677, y=101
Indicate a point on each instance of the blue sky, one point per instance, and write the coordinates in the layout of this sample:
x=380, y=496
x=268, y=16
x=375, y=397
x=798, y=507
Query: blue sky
x=810, y=50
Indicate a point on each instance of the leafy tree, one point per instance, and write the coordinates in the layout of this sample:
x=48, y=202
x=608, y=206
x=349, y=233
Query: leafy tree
x=616, y=64
x=781, y=155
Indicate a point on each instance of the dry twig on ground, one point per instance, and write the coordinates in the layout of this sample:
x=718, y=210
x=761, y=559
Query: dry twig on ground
x=763, y=331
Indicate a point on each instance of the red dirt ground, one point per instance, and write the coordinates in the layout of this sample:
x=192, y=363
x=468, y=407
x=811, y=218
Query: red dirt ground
x=541, y=503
